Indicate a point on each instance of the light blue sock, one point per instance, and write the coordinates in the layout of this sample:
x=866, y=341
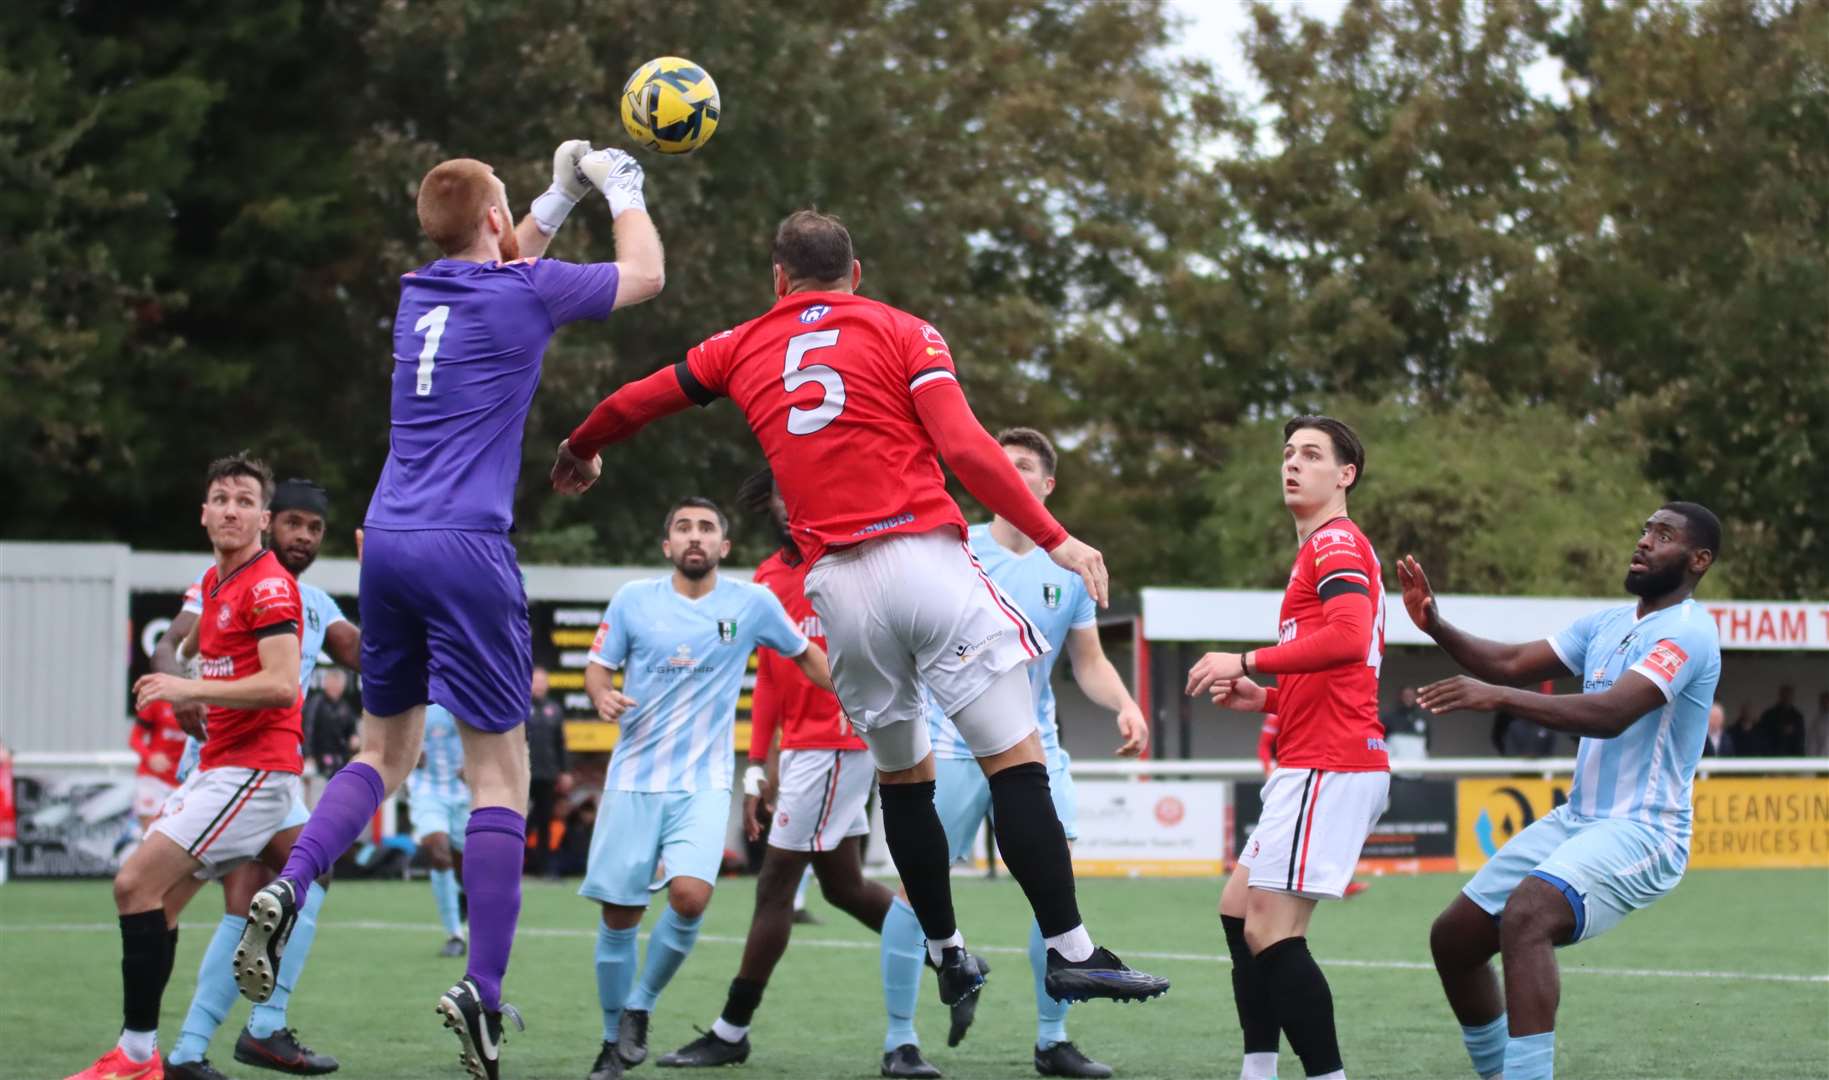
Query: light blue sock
x=216, y=991
x=1531, y=1057
x=1050, y=1015
x=270, y=1015
x=800, y=894
x=1486, y=1046
x=444, y=892
x=615, y=974
x=668, y=945
x=904, y=951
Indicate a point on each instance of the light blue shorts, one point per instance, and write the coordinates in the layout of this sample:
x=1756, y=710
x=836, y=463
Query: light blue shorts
x=681, y=832
x=439, y=814
x=962, y=796
x=1607, y=867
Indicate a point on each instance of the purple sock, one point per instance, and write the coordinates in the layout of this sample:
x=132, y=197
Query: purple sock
x=495, y=842
x=349, y=801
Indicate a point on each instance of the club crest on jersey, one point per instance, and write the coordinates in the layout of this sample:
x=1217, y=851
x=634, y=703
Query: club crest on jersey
x=1051, y=596
x=223, y=615
x=815, y=313
x=727, y=631
x=312, y=620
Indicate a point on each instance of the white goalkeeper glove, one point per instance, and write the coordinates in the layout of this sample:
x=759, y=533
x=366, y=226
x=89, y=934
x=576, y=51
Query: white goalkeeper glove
x=618, y=176
x=569, y=185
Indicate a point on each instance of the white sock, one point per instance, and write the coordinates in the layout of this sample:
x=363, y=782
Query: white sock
x=1074, y=945
x=1259, y=1067
x=935, y=948
x=1337, y=1074
x=139, y=1045
x=729, y=1032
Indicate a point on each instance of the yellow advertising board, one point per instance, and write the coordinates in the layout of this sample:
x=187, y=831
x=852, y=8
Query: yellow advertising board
x=1490, y=812
x=1739, y=821
x=598, y=737
x=1760, y=821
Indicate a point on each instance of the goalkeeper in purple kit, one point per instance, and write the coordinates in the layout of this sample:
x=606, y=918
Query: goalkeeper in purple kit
x=444, y=615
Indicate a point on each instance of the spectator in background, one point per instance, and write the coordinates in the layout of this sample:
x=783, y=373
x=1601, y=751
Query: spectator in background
x=159, y=742
x=1406, y=728
x=1514, y=736
x=1745, y=734
x=1781, y=727
x=1819, y=728
x=1720, y=743
x=1266, y=744
x=332, y=722
x=546, y=761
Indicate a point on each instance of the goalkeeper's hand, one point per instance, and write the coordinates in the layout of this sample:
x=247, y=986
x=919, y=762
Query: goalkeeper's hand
x=568, y=186
x=618, y=176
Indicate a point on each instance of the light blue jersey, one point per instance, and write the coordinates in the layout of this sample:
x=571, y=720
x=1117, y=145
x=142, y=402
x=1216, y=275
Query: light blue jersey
x=320, y=612
x=1056, y=601
x=441, y=775
x=1645, y=773
x=683, y=663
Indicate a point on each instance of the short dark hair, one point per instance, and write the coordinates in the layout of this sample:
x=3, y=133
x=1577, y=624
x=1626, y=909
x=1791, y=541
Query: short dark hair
x=1032, y=440
x=1348, y=450
x=811, y=246
x=756, y=495
x=240, y=464
x=702, y=503
x=1700, y=525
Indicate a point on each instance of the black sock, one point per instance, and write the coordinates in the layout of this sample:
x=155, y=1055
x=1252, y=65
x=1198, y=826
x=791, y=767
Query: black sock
x=917, y=843
x=1255, y=1017
x=740, y=1005
x=1033, y=845
x=145, y=964
x=171, y=954
x=1302, y=1003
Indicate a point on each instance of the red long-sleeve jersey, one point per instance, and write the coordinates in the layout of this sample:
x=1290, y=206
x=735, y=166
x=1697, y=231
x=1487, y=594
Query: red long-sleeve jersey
x=156, y=732
x=1331, y=645
x=785, y=699
x=854, y=403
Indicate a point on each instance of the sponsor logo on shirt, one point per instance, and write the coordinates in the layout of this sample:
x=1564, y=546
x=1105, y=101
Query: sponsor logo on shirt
x=1667, y=658
x=727, y=631
x=932, y=337
x=1051, y=596
x=815, y=313
x=603, y=631
x=887, y=523
x=682, y=656
x=811, y=626
x=1286, y=632
x=273, y=588
x=216, y=667
x=1375, y=744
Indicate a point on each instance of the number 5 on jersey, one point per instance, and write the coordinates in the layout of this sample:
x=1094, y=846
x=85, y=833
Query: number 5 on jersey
x=802, y=420
x=432, y=325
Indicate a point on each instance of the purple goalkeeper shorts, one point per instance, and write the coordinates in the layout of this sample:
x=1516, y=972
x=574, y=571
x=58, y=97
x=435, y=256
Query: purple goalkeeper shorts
x=444, y=619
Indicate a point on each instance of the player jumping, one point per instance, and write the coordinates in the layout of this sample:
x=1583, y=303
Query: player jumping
x=1332, y=772
x=301, y=511
x=438, y=801
x=854, y=403
x=683, y=643
x=816, y=787
x=1064, y=612
x=234, y=807
x=1648, y=674
x=443, y=611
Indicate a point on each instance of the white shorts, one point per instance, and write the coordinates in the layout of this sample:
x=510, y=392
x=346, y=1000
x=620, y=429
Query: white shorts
x=149, y=795
x=1314, y=825
x=913, y=610
x=224, y=817
x=822, y=799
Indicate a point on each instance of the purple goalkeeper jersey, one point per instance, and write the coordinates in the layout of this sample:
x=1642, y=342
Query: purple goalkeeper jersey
x=468, y=341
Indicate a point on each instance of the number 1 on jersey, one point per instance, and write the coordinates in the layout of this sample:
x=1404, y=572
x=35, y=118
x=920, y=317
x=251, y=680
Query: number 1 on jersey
x=802, y=420
x=432, y=325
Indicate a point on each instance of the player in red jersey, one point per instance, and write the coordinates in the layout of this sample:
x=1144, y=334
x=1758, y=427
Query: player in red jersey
x=815, y=786
x=232, y=807
x=1332, y=774
x=158, y=739
x=854, y=403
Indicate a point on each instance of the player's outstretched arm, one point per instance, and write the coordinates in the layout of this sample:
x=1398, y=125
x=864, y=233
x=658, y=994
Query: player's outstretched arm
x=554, y=205
x=1098, y=678
x=1596, y=716
x=640, y=262
x=1494, y=661
x=632, y=407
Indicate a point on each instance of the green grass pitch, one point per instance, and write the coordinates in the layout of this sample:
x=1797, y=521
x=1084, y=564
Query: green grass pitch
x=1727, y=977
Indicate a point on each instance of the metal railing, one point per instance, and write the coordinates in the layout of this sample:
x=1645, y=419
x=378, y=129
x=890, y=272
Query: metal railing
x=1249, y=769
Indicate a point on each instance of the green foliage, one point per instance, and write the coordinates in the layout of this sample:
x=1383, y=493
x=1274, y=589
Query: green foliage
x=205, y=214
x=1514, y=501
